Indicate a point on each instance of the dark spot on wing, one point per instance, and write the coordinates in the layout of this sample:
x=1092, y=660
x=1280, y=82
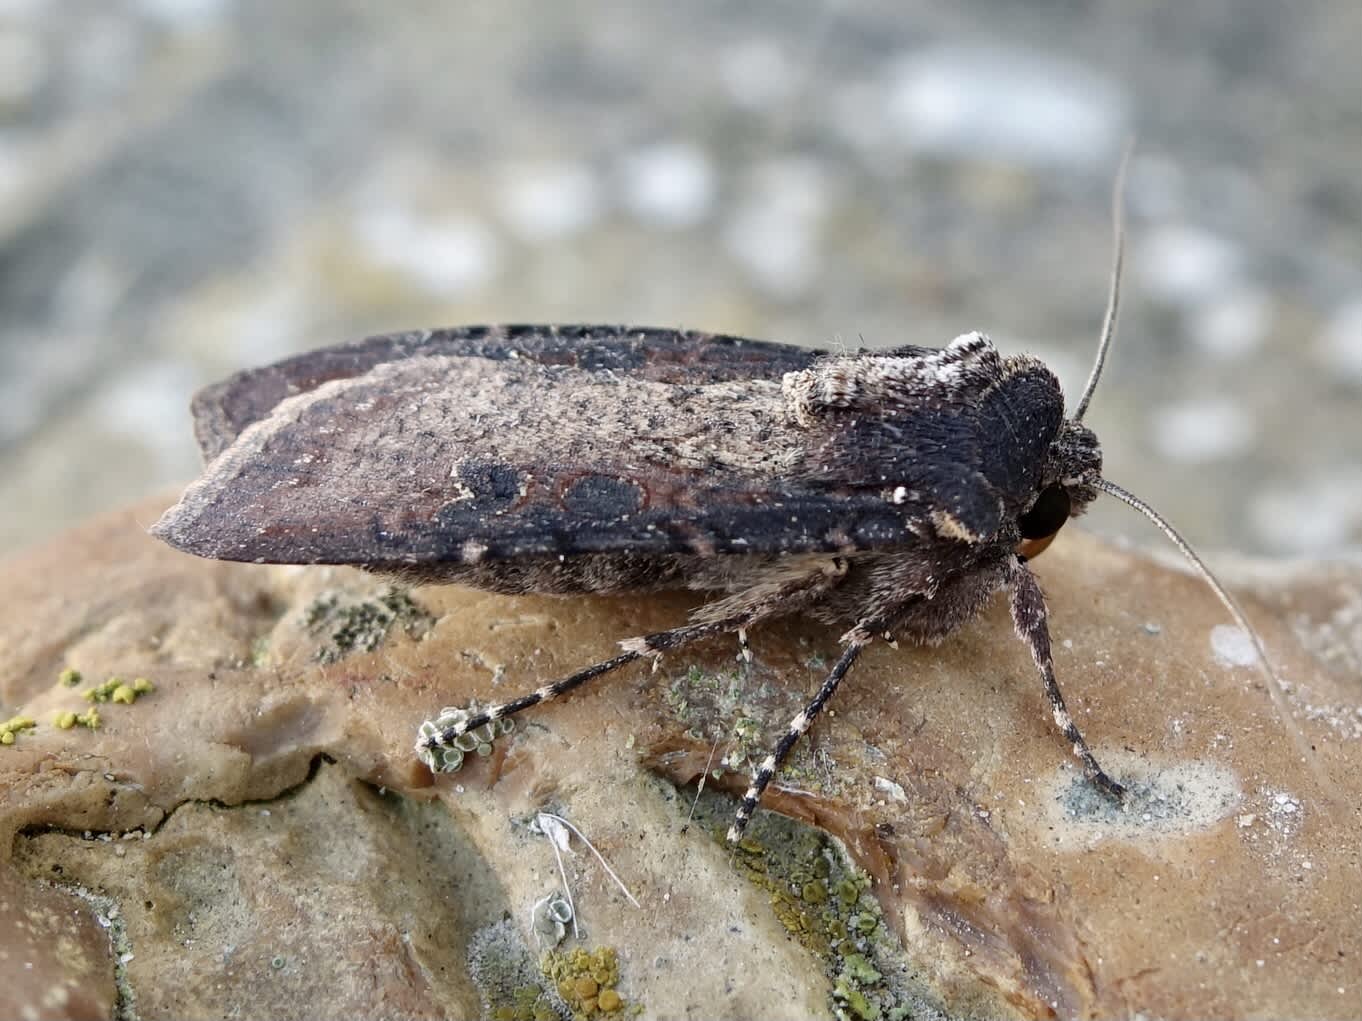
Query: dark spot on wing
x=602, y=496
x=494, y=486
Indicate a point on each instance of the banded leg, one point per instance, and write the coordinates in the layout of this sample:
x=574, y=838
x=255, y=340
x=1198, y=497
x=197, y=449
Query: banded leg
x=798, y=726
x=634, y=648
x=1028, y=616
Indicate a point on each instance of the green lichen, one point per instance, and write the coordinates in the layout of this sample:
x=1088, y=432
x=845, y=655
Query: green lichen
x=350, y=623
x=69, y=678
x=827, y=904
x=260, y=652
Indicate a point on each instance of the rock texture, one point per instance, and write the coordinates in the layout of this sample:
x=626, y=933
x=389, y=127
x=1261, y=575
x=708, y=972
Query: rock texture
x=253, y=836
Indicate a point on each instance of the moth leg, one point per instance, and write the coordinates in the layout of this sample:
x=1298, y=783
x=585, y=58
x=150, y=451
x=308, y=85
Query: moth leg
x=663, y=641
x=858, y=639
x=634, y=648
x=1029, y=616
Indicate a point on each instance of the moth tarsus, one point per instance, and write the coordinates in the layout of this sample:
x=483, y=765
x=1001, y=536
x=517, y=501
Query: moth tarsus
x=892, y=492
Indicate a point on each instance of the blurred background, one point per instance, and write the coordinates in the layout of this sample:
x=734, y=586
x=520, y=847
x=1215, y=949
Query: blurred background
x=192, y=186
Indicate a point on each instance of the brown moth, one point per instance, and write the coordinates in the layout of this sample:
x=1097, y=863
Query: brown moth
x=889, y=492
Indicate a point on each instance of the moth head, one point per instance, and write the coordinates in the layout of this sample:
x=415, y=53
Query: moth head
x=1073, y=478
x=1067, y=487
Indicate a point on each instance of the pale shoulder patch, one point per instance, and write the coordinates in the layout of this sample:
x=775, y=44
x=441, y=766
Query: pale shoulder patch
x=967, y=363
x=948, y=526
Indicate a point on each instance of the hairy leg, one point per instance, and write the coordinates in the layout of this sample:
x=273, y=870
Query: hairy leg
x=1029, y=618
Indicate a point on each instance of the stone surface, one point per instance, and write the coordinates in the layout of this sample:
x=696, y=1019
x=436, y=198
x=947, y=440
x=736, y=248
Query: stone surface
x=256, y=836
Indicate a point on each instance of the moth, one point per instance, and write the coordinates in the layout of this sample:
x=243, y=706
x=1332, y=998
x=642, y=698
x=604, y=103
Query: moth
x=890, y=492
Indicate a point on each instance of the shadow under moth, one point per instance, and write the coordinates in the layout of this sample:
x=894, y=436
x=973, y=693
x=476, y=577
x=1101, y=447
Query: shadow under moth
x=890, y=492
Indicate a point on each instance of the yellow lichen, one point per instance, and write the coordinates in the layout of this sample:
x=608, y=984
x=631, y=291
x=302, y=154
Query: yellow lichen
x=14, y=726
x=586, y=981
x=115, y=689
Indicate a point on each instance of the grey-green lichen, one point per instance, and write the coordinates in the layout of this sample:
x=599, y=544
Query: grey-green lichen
x=354, y=623
x=448, y=758
x=713, y=707
x=551, y=916
x=743, y=710
x=508, y=978
x=110, y=919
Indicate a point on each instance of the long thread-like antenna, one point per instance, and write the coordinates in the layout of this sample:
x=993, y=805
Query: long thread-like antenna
x=1118, y=243
x=1274, y=684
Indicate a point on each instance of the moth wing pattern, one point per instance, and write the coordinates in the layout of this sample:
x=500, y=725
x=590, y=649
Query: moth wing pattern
x=513, y=443
x=221, y=411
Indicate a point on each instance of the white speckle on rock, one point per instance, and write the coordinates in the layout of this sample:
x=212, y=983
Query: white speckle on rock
x=773, y=234
x=1340, y=345
x=1234, y=324
x=447, y=254
x=998, y=103
x=757, y=75
x=670, y=184
x=1232, y=646
x=1166, y=799
x=546, y=203
x=1197, y=431
x=1186, y=265
x=891, y=788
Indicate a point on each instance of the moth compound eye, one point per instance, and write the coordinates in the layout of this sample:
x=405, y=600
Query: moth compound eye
x=1046, y=515
x=1045, y=518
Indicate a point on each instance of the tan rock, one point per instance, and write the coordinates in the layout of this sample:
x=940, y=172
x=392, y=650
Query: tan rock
x=267, y=845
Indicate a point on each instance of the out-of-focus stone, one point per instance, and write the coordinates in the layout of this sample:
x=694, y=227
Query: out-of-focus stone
x=265, y=842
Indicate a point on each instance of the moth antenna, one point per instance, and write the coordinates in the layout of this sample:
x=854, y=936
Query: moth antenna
x=1274, y=684
x=1118, y=246
x=700, y=787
